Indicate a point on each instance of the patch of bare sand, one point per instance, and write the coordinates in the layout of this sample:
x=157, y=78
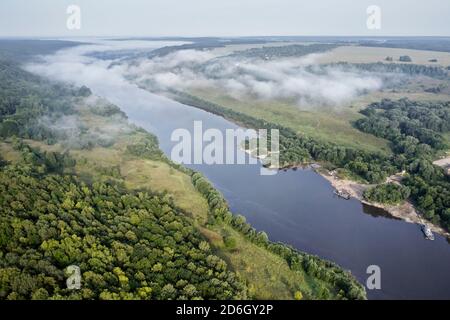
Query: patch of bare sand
x=405, y=211
x=444, y=162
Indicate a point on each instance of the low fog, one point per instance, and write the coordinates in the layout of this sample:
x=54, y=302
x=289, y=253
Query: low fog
x=73, y=132
x=298, y=79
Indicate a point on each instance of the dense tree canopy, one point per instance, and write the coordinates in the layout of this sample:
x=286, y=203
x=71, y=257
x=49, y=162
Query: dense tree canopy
x=295, y=50
x=389, y=193
x=127, y=245
x=416, y=131
x=25, y=98
x=409, y=69
x=412, y=126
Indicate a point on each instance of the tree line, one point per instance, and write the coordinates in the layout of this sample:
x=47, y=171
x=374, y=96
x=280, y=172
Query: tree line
x=410, y=69
x=342, y=282
x=414, y=129
x=26, y=98
x=297, y=149
x=389, y=193
x=295, y=50
x=408, y=124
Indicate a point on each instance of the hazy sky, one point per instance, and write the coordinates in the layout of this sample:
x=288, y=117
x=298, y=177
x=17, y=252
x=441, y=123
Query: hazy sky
x=223, y=17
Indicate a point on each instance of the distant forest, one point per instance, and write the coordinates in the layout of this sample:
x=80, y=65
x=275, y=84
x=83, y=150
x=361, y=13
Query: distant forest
x=432, y=44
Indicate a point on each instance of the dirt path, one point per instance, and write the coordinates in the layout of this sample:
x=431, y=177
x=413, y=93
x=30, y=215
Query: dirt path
x=444, y=162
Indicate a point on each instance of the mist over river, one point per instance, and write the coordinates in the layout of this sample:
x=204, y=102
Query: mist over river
x=296, y=206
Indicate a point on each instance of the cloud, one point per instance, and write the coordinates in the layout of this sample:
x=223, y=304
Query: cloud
x=291, y=78
x=79, y=65
x=74, y=133
x=297, y=79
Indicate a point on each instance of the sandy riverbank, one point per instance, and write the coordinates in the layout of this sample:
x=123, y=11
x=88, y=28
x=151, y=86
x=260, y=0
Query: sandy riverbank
x=405, y=211
x=444, y=162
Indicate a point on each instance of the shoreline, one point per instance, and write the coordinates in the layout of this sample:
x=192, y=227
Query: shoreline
x=405, y=211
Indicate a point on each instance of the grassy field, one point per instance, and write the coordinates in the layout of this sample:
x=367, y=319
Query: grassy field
x=363, y=101
x=354, y=53
x=159, y=176
x=326, y=124
x=361, y=54
x=268, y=275
x=447, y=137
x=329, y=124
x=335, y=124
x=137, y=174
x=8, y=153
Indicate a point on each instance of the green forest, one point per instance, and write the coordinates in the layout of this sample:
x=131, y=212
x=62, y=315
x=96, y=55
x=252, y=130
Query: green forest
x=409, y=69
x=416, y=130
x=389, y=193
x=295, y=50
x=128, y=243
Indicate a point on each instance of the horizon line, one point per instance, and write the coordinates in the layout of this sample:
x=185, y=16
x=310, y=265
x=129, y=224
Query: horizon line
x=34, y=37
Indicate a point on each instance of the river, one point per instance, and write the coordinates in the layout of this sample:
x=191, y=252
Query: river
x=295, y=206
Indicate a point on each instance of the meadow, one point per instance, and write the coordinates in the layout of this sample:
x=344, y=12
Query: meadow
x=327, y=124
x=361, y=54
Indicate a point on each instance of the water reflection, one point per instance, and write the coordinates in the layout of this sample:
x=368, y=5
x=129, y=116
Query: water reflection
x=377, y=212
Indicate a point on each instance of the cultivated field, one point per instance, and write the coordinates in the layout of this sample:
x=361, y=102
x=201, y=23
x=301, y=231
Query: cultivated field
x=359, y=54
